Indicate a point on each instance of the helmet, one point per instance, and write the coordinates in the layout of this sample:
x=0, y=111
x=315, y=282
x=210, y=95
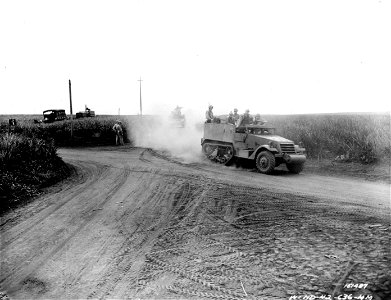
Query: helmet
x=230, y=113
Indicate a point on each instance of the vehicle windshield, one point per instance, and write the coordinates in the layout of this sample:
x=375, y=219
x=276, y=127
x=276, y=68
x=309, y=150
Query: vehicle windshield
x=264, y=131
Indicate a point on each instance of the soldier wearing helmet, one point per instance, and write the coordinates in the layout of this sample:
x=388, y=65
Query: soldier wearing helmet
x=245, y=119
x=236, y=115
x=209, y=114
x=231, y=119
x=119, y=135
x=176, y=113
x=258, y=120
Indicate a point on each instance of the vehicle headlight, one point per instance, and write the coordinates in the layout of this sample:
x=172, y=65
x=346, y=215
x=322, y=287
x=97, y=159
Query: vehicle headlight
x=299, y=148
x=273, y=145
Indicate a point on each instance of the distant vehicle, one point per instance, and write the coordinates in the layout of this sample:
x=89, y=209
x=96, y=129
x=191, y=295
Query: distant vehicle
x=225, y=142
x=177, y=118
x=52, y=115
x=88, y=113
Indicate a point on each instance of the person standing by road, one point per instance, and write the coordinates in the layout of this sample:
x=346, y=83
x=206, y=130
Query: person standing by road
x=119, y=134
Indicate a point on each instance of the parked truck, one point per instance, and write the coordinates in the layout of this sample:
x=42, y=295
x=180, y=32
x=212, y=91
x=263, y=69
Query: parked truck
x=52, y=115
x=224, y=143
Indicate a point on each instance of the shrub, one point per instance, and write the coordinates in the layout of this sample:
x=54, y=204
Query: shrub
x=358, y=137
x=26, y=165
x=86, y=131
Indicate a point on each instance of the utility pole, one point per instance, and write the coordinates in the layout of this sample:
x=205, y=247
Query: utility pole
x=70, y=100
x=141, y=104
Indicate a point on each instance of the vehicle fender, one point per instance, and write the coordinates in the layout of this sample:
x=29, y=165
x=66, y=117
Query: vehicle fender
x=203, y=141
x=263, y=148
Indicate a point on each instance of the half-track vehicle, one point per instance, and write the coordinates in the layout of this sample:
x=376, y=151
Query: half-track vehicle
x=177, y=119
x=225, y=142
x=52, y=115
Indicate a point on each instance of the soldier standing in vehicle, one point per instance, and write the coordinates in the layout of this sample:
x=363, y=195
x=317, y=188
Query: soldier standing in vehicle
x=176, y=113
x=209, y=114
x=236, y=115
x=258, y=120
x=245, y=119
x=231, y=119
x=119, y=135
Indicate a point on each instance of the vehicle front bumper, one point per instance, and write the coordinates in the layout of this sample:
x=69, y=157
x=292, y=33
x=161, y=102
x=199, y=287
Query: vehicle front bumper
x=294, y=158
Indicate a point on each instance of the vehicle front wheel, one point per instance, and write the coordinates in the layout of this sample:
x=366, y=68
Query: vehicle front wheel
x=295, y=168
x=210, y=151
x=265, y=162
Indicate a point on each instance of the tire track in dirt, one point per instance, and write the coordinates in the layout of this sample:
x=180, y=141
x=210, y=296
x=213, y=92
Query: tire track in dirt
x=122, y=274
x=148, y=227
x=86, y=215
x=193, y=166
x=92, y=177
x=202, y=279
x=142, y=158
x=119, y=263
x=120, y=231
x=183, y=193
x=374, y=202
x=285, y=209
x=23, y=229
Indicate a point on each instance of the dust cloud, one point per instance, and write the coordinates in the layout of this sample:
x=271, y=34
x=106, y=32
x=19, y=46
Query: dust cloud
x=161, y=132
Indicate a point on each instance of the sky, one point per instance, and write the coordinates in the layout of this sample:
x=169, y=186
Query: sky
x=272, y=57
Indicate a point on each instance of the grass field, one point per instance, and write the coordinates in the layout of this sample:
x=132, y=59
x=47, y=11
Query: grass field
x=28, y=158
x=26, y=165
x=86, y=131
x=28, y=152
x=363, y=137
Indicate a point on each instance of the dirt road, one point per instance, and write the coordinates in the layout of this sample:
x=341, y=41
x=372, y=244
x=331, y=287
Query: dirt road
x=132, y=223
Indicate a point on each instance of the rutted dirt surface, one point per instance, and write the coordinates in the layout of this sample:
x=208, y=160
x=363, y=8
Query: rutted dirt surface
x=132, y=223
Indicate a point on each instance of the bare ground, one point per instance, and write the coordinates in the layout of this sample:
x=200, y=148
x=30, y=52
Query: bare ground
x=132, y=223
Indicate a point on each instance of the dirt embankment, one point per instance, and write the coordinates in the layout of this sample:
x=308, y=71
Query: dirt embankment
x=137, y=224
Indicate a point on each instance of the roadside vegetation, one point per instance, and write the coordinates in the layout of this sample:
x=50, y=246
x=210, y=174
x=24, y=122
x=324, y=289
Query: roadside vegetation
x=356, y=137
x=363, y=138
x=28, y=155
x=86, y=131
x=26, y=165
x=28, y=158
